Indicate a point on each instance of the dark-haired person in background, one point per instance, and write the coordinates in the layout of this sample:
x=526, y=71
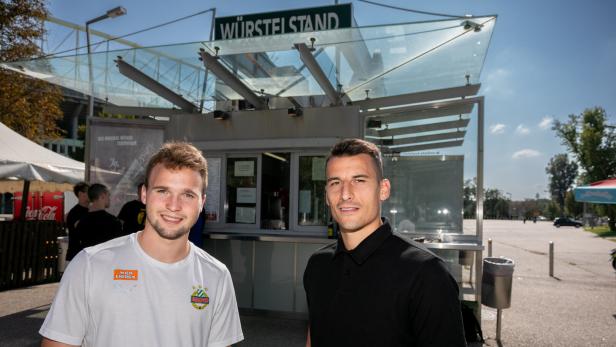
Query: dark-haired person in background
x=74, y=216
x=98, y=225
x=132, y=214
x=374, y=287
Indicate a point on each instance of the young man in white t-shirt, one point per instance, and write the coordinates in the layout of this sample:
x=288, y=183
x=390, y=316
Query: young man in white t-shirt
x=153, y=287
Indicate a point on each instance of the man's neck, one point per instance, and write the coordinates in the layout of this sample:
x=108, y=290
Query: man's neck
x=96, y=206
x=84, y=204
x=352, y=239
x=163, y=250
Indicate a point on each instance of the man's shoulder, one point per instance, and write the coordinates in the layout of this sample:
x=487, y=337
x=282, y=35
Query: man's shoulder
x=113, y=245
x=208, y=260
x=324, y=253
x=412, y=251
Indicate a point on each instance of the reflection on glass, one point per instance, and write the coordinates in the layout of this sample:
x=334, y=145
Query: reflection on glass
x=426, y=195
x=312, y=209
x=241, y=190
x=275, y=190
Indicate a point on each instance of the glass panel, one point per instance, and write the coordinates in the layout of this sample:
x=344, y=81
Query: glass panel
x=426, y=194
x=241, y=190
x=275, y=190
x=386, y=60
x=311, y=200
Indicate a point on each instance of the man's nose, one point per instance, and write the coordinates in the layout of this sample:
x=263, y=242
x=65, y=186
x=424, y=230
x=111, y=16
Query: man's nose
x=173, y=202
x=347, y=191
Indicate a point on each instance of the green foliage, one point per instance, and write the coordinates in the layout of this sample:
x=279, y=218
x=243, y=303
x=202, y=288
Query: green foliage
x=29, y=106
x=572, y=207
x=593, y=143
x=562, y=173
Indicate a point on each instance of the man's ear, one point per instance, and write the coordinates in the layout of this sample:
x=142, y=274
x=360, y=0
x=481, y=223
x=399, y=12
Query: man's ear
x=143, y=193
x=385, y=189
x=204, y=199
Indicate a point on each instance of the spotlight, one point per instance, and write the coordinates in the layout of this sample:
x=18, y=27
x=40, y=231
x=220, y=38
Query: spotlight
x=295, y=112
x=221, y=115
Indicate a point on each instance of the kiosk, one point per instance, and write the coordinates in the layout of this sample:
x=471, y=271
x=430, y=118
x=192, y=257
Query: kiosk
x=267, y=101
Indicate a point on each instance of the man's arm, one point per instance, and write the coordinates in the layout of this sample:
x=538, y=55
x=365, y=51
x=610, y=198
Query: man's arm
x=51, y=343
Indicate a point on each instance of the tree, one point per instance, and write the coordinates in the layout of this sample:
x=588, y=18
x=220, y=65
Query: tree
x=562, y=174
x=27, y=105
x=593, y=143
x=470, y=200
x=573, y=208
x=495, y=204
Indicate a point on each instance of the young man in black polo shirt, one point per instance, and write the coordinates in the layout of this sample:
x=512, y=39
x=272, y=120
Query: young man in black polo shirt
x=374, y=287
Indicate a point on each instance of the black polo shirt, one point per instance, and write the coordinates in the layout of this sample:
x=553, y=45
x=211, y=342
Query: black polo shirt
x=388, y=291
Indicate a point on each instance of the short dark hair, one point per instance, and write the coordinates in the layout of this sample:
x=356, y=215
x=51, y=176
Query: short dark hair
x=80, y=187
x=178, y=155
x=96, y=191
x=351, y=147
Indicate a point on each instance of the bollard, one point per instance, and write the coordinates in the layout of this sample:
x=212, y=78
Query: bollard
x=489, y=247
x=551, y=259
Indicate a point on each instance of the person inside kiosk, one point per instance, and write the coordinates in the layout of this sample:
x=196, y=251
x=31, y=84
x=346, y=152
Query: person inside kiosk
x=374, y=287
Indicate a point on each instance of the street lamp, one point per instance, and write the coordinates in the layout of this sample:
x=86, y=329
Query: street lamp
x=114, y=12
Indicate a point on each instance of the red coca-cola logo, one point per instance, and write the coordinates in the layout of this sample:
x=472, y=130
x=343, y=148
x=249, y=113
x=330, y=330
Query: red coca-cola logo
x=47, y=213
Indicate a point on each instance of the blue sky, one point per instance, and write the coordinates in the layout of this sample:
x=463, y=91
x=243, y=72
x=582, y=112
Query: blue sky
x=547, y=59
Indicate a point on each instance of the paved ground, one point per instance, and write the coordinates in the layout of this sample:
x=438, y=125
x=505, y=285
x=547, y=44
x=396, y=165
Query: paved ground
x=575, y=308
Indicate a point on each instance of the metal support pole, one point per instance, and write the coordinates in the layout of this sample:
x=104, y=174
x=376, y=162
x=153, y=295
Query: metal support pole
x=498, y=323
x=489, y=247
x=86, y=152
x=551, y=259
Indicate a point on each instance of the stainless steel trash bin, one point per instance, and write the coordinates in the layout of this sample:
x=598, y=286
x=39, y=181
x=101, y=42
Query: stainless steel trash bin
x=62, y=248
x=496, y=282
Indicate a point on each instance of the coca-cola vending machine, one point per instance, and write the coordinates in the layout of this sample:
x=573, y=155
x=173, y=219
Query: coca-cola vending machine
x=45, y=206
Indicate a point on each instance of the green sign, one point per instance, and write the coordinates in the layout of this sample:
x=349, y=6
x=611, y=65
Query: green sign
x=283, y=22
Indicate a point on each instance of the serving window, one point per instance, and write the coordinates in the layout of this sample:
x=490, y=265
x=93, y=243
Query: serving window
x=312, y=210
x=241, y=190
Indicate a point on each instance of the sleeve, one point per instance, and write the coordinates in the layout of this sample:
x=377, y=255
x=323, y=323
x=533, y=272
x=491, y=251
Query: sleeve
x=226, y=326
x=67, y=319
x=435, y=307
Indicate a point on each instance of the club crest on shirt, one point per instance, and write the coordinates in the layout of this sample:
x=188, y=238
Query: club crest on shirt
x=199, y=298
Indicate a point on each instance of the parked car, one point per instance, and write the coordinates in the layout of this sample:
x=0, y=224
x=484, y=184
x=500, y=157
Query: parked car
x=567, y=222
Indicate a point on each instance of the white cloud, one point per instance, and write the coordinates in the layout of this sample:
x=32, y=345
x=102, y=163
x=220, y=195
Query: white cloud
x=498, y=83
x=546, y=123
x=497, y=128
x=526, y=153
x=522, y=130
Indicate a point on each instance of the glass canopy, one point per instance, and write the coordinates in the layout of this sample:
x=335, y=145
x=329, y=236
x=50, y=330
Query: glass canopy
x=360, y=62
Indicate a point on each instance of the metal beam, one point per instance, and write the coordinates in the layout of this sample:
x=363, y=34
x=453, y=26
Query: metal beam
x=159, y=89
x=413, y=98
x=142, y=111
x=308, y=59
x=211, y=63
x=461, y=123
x=413, y=113
x=427, y=146
x=425, y=138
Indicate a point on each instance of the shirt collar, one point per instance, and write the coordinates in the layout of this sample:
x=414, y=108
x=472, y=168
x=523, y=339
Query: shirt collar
x=368, y=246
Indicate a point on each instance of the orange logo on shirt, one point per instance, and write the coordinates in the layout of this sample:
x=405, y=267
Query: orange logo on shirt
x=125, y=275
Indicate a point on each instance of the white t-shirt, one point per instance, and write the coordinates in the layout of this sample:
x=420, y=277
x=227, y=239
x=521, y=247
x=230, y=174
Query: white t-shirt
x=114, y=294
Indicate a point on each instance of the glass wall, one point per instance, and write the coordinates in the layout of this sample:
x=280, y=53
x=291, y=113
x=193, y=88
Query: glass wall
x=312, y=209
x=426, y=195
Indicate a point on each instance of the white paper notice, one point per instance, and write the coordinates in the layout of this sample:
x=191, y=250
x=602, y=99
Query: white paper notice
x=245, y=215
x=244, y=169
x=246, y=195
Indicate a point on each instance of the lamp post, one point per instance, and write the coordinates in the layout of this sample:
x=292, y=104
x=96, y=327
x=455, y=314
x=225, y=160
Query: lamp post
x=115, y=12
